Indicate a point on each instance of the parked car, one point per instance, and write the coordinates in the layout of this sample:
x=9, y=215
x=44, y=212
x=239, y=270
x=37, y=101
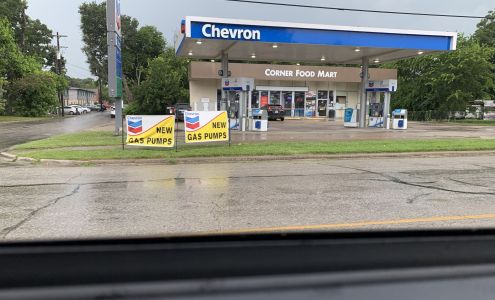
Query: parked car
x=179, y=109
x=69, y=110
x=81, y=110
x=93, y=107
x=275, y=111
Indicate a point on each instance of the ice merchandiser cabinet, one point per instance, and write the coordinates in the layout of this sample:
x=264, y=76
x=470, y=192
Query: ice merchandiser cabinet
x=399, y=119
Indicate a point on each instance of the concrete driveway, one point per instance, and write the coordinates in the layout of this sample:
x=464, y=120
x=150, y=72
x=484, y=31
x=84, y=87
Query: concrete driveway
x=325, y=130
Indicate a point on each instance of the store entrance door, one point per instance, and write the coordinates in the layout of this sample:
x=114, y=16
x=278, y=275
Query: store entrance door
x=288, y=103
x=322, y=108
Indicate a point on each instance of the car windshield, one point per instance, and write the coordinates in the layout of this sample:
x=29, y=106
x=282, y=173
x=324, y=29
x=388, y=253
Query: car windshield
x=250, y=118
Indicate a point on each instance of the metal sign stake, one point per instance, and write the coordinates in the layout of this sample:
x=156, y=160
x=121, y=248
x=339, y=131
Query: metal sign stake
x=123, y=143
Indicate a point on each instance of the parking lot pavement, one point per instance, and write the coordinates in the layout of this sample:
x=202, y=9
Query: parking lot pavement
x=325, y=130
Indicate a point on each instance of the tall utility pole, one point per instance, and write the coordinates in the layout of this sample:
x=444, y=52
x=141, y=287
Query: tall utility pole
x=59, y=69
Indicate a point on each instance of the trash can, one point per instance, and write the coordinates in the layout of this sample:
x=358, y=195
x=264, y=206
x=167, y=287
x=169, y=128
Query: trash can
x=331, y=114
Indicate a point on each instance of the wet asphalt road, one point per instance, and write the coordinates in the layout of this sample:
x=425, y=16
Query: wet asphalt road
x=20, y=132
x=41, y=202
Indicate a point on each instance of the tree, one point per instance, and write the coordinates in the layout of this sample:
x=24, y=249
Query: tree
x=139, y=48
x=15, y=12
x=166, y=83
x=446, y=82
x=84, y=83
x=485, y=32
x=94, y=28
x=13, y=64
x=35, y=94
x=51, y=61
x=37, y=41
x=32, y=36
x=139, y=45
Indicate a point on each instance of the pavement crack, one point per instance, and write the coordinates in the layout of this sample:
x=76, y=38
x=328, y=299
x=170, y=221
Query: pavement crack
x=467, y=183
x=417, y=197
x=6, y=231
x=400, y=181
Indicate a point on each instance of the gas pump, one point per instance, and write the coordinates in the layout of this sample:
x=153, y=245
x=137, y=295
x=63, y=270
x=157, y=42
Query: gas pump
x=379, y=114
x=376, y=115
x=242, y=85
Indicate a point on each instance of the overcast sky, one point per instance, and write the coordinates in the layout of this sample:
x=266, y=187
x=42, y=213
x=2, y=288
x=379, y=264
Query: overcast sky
x=62, y=16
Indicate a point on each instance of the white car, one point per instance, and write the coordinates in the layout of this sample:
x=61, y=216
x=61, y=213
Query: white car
x=69, y=110
x=81, y=110
x=112, y=111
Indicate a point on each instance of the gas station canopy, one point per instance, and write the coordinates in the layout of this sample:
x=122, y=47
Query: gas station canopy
x=208, y=38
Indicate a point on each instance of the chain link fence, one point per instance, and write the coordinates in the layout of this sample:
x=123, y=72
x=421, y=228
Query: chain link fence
x=434, y=115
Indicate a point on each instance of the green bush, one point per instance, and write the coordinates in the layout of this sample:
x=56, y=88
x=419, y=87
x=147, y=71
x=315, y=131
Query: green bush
x=33, y=95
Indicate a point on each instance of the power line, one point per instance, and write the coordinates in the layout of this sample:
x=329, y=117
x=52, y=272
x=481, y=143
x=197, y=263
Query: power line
x=79, y=67
x=360, y=10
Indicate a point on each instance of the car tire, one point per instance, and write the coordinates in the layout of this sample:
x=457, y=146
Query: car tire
x=71, y=112
x=112, y=116
x=282, y=119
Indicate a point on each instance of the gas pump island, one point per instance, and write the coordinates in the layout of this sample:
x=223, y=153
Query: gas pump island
x=378, y=96
x=239, y=112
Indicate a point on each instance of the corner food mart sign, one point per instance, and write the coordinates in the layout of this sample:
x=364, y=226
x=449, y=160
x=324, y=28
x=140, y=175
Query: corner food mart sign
x=300, y=73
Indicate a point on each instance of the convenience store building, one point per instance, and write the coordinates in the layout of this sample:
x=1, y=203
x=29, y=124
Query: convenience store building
x=303, y=91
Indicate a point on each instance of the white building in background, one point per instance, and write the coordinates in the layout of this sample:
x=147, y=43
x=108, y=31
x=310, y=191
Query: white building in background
x=80, y=96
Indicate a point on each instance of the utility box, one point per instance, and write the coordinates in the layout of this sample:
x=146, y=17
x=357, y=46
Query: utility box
x=399, y=119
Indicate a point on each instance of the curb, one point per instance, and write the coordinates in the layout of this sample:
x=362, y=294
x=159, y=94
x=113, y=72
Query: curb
x=8, y=156
x=226, y=159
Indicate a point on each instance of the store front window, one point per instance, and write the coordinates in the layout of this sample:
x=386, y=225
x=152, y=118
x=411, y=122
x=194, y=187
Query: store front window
x=341, y=102
x=274, y=98
x=263, y=98
x=255, y=99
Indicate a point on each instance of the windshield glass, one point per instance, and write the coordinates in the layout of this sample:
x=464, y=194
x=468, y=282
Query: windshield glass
x=145, y=119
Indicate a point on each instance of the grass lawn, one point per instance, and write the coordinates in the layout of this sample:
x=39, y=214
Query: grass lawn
x=20, y=119
x=80, y=139
x=59, y=147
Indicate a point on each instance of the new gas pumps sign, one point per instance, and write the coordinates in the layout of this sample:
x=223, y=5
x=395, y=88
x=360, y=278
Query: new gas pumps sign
x=206, y=126
x=150, y=131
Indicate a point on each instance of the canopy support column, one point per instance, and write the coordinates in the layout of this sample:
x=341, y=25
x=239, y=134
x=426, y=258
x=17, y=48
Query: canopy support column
x=363, y=100
x=225, y=74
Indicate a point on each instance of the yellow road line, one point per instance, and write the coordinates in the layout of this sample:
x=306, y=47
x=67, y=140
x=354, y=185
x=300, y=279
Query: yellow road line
x=353, y=224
